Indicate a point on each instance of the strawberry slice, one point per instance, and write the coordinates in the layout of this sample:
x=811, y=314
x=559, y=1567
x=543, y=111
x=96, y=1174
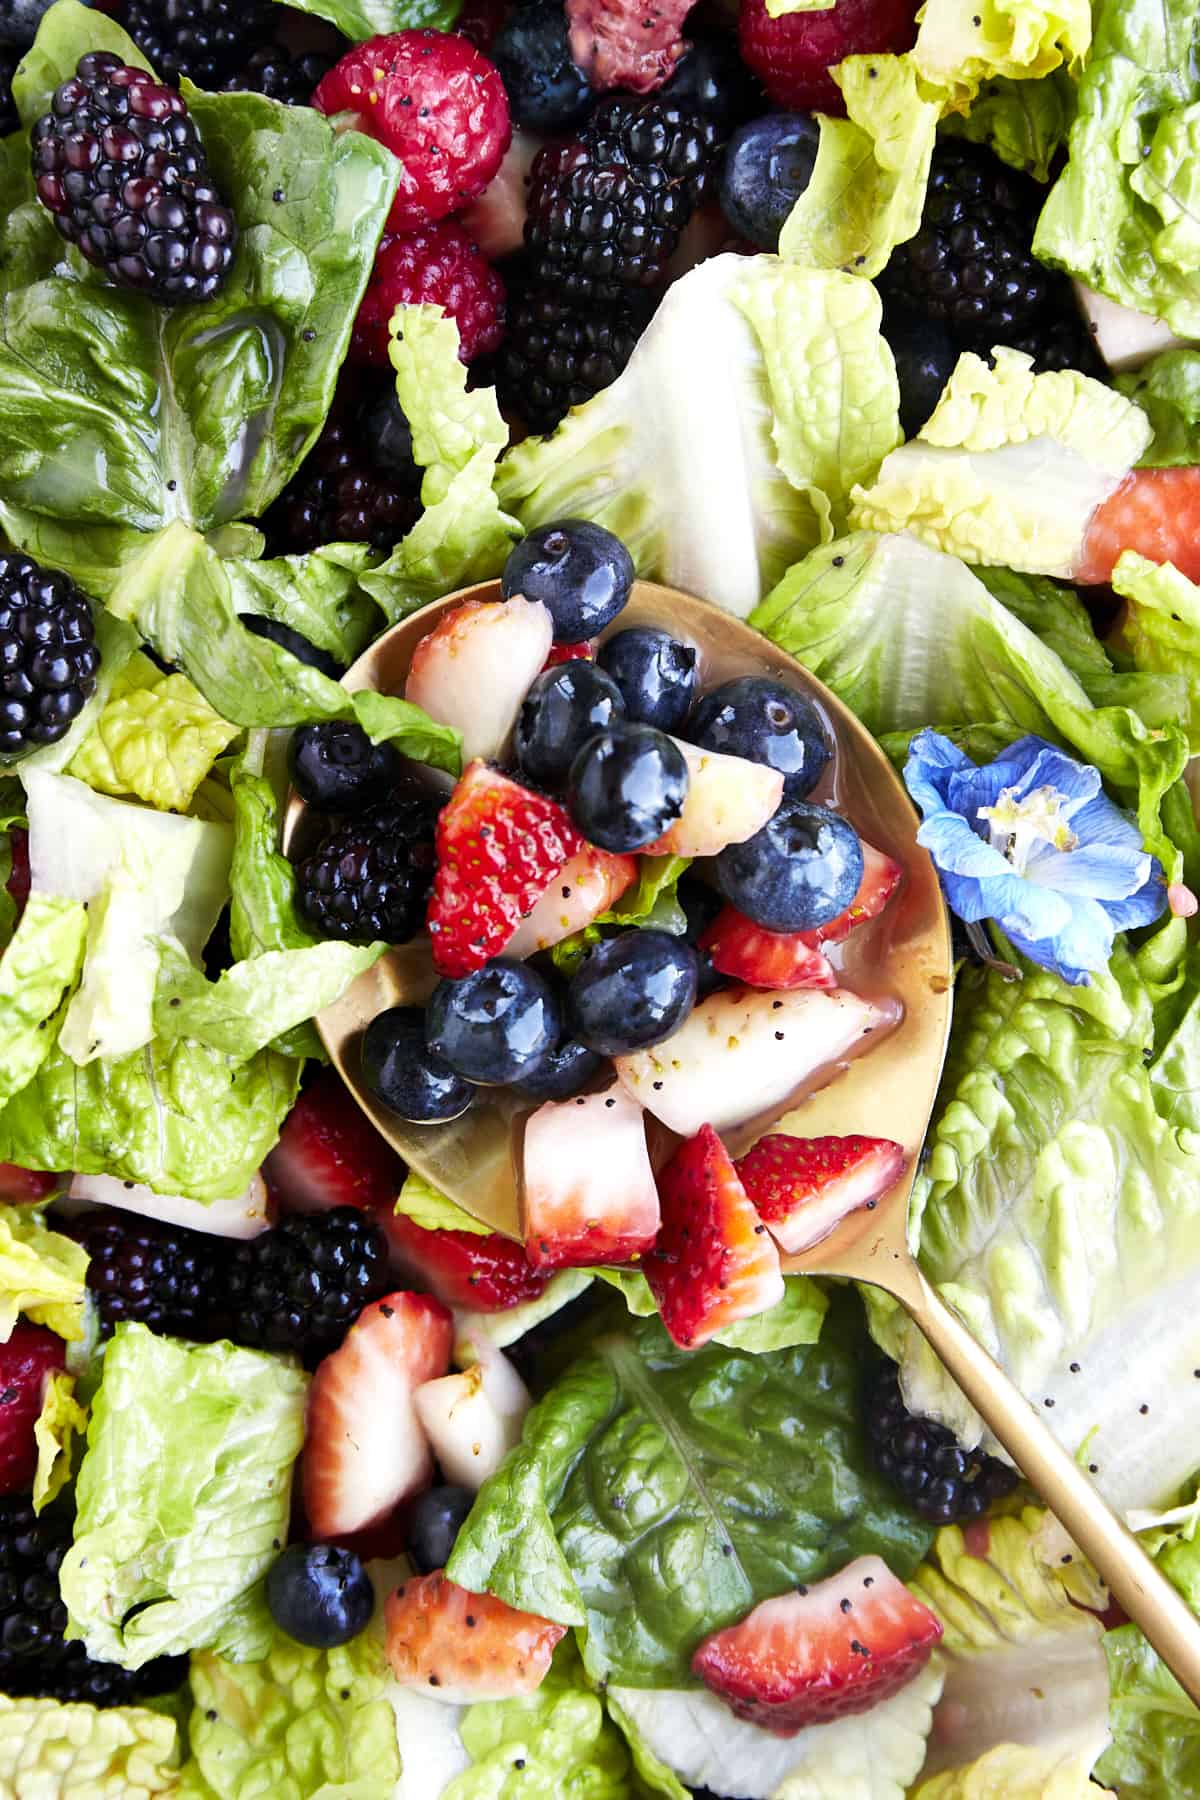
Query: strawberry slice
x=561, y=653
x=499, y=846
x=1155, y=512
x=881, y=877
x=462, y=1647
x=25, y=1187
x=586, y=886
x=364, y=1449
x=463, y=1268
x=474, y=668
x=588, y=1192
x=31, y=1355
x=803, y=1187
x=714, y=1262
x=826, y=1651
x=329, y=1154
x=764, y=959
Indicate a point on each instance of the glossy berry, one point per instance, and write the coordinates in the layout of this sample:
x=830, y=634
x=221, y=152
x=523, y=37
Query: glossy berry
x=580, y=572
x=438, y=266
x=388, y=436
x=569, y=1067
x=335, y=766
x=119, y=163
x=28, y=1358
x=367, y=881
x=341, y=493
x=558, y=353
x=656, y=674
x=434, y=1523
x=546, y=89
x=495, y=1025
x=925, y=353
x=440, y=107
x=940, y=1480
x=401, y=1070
x=205, y=40
x=281, y=74
x=49, y=657
x=633, y=991
x=793, y=54
x=141, y=1270
x=800, y=871
x=301, y=1285
x=294, y=642
x=701, y=904
x=627, y=786
x=9, y=119
x=711, y=79
x=768, y=165
x=565, y=707
x=319, y=1594
x=765, y=722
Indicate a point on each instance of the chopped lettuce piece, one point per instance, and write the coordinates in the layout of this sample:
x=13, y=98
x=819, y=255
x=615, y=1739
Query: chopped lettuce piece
x=1024, y=123
x=420, y=1201
x=718, y=485
x=358, y=19
x=1161, y=625
x=652, y=901
x=1155, y=1752
x=57, y=1429
x=41, y=1274
x=319, y=595
x=262, y=914
x=507, y=1326
x=658, y=1494
x=1018, y=1772
x=796, y=1319
x=431, y=1749
x=51, y=1751
x=182, y=1498
x=252, y=1003
x=1168, y=391
x=1010, y=466
x=867, y=189
x=958, y=48
x=41, y=963
x=156, y=738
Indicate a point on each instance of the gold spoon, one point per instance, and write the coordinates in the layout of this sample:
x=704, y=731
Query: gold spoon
x=890, y=1092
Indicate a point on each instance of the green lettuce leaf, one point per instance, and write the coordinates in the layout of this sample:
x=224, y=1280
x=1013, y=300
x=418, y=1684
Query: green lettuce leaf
x=252, y=1003
x=1167, y=389
x=1024, y=123
x=1161, y=626
x=658, y=1494
x=318, y=595
x=41, y=962
x=1018, y=1772
x=716, y=486
x=50, y=1751
x=155, y=738
x=511, y=1324
x=1155, y=1752
x=58, y=1428
x=652, y=901
x=41, y=1274
x=358, y=19
x=868, y=186
x=1118, y=216
x=182, y=1498
x=959, y=48
x=1010, y=466
x=796, y=1319
x=421, y=1202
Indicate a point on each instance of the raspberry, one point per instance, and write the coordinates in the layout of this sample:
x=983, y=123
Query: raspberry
x=206, y=40
x=368, y=881
x=441, y=265
x=48, y=653
x=30, y=1355
x=792, y=55
x=625, y=43
x=556, y=355
x=438, y=104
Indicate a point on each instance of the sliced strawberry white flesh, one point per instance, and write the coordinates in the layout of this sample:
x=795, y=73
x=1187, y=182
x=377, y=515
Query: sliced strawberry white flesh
x=804, y=1187
x=461, y=1647
x=589, y=884
x=588, y=1190
x=729, y=798
x=244, y=1217
x=474, y=669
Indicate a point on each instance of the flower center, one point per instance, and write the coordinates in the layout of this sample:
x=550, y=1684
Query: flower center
x=1017, y=827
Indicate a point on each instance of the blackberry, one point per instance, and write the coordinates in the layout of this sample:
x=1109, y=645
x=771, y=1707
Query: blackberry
x=557, y=355
x=294, y=642
x=280, y=74
x=206, y=40
x=1061, y=340
x=119, y=163
x=162, y=1276
x=941, y=1481
x=300, y=1286
x=341, y=495
x=48, y=653
x=368, y=881
x=9, y=120
x=605, y=210
x=35, y=1662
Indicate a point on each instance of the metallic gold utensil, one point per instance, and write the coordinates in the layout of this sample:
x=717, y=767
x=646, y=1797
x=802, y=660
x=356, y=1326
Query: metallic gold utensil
x=889, y=1092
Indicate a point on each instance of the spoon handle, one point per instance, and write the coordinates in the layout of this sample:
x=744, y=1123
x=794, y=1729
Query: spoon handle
x=1133, y=1579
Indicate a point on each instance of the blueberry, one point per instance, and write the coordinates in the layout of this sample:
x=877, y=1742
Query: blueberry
x=436, y=1518
x=496, y=1025
x=657, y=675
x=387, y=435
x=633, y=991
x=768, y=165
x=701, y=905
x=710, y=78
x=295, y=643
x=320, y=1595
x=334, y=765
x=569, y=1067
x=19, y=21
x=627, y=785
x=801, y=870
x=925, y=353
x=564, y=707
x=580, y=572
x=401, y=1070
x=767, y=723
x=547, y=91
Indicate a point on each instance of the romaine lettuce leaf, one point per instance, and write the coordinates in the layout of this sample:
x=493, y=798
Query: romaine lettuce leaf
x=1010, y=466
x=42, y=961
x=318, y=594
x=717, y=485
x=1018, y=1772
x=41, y=1274
x=657, y=1494
x=959, y=48
x=57, y=1429
x=358, y=19
x=155, y=738
x=1168, y=391
x=651, y=901
x=182, y=1498
x=421, y=1202
x=1155, y=1752
x=252, y=1003
x=50, y=1751
x=1025, y=123
x=1160, y=626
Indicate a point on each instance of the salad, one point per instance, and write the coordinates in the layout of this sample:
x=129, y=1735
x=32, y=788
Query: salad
x=879, y=330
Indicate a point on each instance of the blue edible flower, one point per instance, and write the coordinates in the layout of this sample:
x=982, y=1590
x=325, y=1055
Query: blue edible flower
x=1033, y=842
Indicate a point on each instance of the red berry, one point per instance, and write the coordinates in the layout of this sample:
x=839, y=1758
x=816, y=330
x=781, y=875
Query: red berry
x=440, y=107
x=442, y=266
x=487, y=1274
x=561, y=653
x=30, y=1355
x=329, y=1154
x=18, y=879
x=792, y=55
x=480, y=20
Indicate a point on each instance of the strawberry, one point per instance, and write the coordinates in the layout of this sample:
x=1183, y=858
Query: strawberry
x=18, y=876
x=499, y=846
x=462, y=1647
x=728, y=800
x=364, y=1449
x=625, y=43
x=585, y=887
x=440, y=107
x=714, y=1262
x=588, y=1188
x=31, y=1355
x=26, y=1187
x=792, y=55
x=803, y=1187
x=474, y=668
x=742, y=1052
x=329, y=1154
x=463, y=1268
x=880, y=879
x=824, y=1652
x=1155, y=512
x=440, y=265
x=561, y=653
x=496, y=221
x=764, y=959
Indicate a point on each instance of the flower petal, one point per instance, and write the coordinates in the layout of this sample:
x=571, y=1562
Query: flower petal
x=1076, y=952
x=1143, y=907
x=932, y=760
x=1095, y=872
